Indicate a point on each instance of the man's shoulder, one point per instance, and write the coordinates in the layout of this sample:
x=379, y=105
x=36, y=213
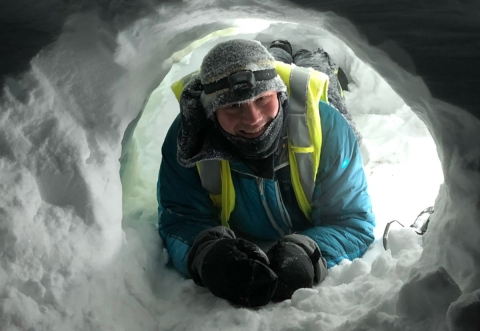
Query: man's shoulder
x=174, y=127
x=328, y=111
x=331, y=118
x=336, y=132
x=170, y=141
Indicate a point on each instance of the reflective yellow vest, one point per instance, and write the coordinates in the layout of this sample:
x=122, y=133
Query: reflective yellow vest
x=305, y=87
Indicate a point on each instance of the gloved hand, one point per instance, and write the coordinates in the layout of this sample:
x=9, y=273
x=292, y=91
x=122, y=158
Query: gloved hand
x=298, y=263
x=314, y=253
x=194, y=123
x=231, y=268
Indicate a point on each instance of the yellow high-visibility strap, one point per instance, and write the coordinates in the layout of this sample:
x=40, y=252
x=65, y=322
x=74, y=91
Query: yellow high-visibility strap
x=228, y=193
x=311, y=89
x=317, y=87
x=177, y=87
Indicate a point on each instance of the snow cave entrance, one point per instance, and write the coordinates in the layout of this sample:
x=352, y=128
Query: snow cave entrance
x=400, y=157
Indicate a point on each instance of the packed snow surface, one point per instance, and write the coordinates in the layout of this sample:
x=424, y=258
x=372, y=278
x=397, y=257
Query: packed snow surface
x=79, y=248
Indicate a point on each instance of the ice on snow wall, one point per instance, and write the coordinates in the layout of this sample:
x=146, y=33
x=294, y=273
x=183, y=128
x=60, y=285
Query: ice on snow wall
x=64, y=254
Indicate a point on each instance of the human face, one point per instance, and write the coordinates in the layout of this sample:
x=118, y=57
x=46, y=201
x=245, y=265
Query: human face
x=249, y=119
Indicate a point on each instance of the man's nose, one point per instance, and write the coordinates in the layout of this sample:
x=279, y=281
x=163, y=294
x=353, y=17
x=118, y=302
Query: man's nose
x=251, y=114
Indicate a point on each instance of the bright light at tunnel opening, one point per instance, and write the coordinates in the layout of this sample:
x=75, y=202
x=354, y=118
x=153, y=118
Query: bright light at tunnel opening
x=240, y=26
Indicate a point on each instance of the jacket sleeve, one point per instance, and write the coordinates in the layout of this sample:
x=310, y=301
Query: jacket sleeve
x=342, y=214
x=185, y=207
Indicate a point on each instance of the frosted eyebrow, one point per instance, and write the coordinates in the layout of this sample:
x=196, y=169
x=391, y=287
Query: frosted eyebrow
x=264, y=96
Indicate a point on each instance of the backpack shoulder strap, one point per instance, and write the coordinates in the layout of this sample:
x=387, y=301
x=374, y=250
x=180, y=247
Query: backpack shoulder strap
x=216, y=179
x=307, y=88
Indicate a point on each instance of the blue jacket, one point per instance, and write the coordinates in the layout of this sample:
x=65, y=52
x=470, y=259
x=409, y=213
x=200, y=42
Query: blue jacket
x=266, y=210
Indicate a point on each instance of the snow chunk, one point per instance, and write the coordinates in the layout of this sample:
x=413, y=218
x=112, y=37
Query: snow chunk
x=427, y=295
x=400, y=238
x=464, y=314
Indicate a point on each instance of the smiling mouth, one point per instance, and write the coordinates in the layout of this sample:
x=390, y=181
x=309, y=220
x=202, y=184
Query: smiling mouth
x=253, y=133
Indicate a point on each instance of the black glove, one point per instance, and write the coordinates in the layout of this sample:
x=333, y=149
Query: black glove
x=233, y=269
x=314, y=253
x=298, y=263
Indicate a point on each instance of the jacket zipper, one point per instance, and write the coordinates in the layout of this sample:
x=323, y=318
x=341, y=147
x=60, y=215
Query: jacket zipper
x=283, y=210
x=267, y=209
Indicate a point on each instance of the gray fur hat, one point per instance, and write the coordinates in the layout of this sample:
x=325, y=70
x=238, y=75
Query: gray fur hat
x=231, y=57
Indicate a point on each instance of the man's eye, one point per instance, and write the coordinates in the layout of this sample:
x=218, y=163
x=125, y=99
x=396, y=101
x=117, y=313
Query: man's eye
x=233, y=108
x=263, y=99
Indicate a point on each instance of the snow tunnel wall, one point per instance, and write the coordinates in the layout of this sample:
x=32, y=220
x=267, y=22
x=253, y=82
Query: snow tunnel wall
x=62, y=123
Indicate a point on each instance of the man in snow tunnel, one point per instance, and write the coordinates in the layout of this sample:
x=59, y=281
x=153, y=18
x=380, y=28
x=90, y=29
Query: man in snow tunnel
x=261, y=186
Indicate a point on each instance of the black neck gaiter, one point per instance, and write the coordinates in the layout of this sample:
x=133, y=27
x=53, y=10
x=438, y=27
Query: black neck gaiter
x=262, y=146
